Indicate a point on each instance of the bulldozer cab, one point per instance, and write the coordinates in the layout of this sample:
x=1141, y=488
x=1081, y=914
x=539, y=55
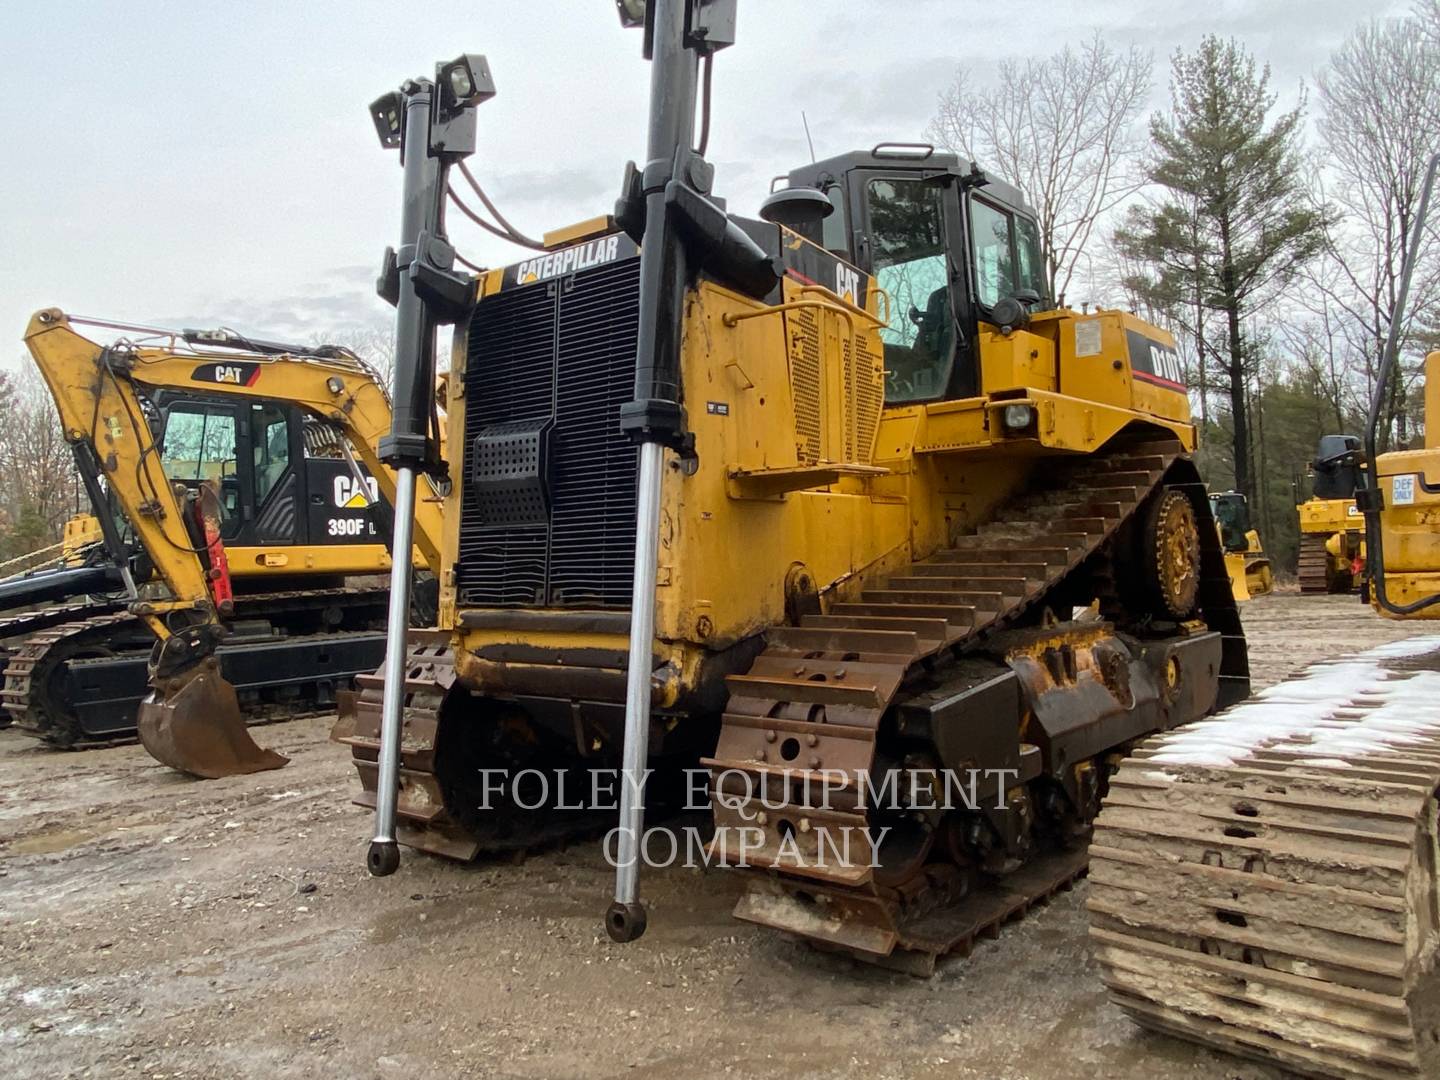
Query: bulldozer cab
x=281, y=480
x=952, y=247
x=1336, y=467
x=1232, y=515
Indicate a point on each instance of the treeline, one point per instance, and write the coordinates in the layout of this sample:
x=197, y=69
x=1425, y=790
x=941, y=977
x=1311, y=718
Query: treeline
x=39, y=488
x=1269, y=239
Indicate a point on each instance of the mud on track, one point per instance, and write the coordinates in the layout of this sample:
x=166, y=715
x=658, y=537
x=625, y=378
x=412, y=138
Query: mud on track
x=155, y=926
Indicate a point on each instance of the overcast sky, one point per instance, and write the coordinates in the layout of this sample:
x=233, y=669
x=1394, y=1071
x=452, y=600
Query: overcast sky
x=213, y=163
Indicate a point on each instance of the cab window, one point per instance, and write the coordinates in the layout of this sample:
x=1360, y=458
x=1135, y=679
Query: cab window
x=1030, y=265
x=199, y=443
x=835, y=229
x=908, y=258
x=1007, y=254
x=271, y=447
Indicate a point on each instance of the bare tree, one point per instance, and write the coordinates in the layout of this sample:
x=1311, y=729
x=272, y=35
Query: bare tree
x=1381, y=102
x=1062, y=129
x=1427, y=14
x=39, y=488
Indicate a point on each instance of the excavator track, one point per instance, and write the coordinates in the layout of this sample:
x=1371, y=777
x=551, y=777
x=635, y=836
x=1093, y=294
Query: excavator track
x=29, y=694
x=1314, y=563
x=31, y=665
x=1265, y=882
x=17, y=630
x=817, y=699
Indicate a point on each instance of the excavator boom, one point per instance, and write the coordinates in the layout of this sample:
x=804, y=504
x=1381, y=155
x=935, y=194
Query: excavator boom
x=191, y=719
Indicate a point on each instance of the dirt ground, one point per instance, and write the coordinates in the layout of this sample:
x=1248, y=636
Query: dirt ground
x=156, y=926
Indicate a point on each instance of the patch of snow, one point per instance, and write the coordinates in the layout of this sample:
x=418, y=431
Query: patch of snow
x=1346, y=709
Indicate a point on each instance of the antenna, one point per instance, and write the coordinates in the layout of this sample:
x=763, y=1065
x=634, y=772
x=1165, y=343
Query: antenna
x=809, y=140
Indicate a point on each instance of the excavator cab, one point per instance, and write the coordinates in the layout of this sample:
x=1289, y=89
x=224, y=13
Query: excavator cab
x=952, y=248
x=281, y=479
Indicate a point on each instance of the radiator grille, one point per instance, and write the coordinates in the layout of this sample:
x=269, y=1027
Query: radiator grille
x=562, y=350
x=805, y=383
x=834, y=376
x=864, y=396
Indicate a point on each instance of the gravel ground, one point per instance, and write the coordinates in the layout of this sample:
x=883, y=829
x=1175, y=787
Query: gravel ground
x=156, y=926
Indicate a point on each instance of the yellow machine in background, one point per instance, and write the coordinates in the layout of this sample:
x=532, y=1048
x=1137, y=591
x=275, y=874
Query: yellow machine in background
x=1246, y=563
x=82, y=532
x=226, y=488
x=1409, y=481
x=1332, y=529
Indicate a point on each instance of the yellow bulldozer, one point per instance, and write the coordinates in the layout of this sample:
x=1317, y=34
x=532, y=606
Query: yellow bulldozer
x=1245, y=560
x=243, y=548
x=1407, y=583
x=833, y=493
x=1332, y=529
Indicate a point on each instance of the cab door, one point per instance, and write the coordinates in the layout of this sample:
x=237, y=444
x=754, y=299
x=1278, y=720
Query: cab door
x=907, y=231
x=204, y=441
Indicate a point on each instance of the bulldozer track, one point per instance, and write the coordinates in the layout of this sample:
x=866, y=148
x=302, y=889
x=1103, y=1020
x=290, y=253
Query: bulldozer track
x=422, y=818
x=25, y=696
x=813, y=702
x=1314, y=564
x=1264, y=882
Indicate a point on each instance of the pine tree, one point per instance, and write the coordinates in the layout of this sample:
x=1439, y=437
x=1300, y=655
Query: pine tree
x=1236, y=222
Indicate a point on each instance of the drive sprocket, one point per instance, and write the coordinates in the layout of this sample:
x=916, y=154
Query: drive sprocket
x=1170, y=548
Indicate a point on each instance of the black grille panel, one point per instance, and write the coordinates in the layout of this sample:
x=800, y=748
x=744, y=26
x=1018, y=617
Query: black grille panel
x=562, y=350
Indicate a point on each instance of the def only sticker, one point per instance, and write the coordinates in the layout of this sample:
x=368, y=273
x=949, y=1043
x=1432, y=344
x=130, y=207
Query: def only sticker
x=1402, y=490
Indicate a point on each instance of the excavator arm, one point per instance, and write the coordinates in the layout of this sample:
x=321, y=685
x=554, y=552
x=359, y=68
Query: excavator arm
x=191, y=719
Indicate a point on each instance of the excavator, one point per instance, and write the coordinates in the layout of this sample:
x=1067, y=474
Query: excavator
x=1265, y=882
x=1245, y=559
x=1332, y=533
x=239, y=530
x=833, y=496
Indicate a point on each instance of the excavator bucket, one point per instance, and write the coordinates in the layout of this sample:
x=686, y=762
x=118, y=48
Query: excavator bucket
x=196, y=727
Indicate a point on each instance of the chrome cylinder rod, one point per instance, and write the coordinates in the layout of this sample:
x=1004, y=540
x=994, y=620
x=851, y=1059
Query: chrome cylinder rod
x=625, y=921
x=384, y=855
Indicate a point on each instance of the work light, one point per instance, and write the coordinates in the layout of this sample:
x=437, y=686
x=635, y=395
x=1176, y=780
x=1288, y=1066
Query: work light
x=387, y=111
x=464, y=81
x=632, y=12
